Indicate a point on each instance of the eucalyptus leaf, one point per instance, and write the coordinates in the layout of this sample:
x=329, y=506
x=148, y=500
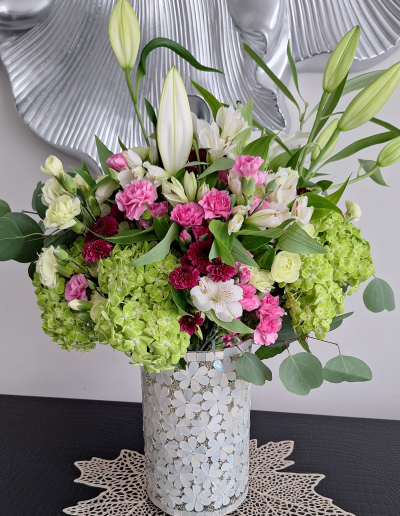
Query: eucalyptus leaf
x=104, y=154
x=37, y=204
x=241, y=255
x=300, y=373
x=346, y=369
x=250, y=368
x=287, y=333
x=265, y=352
x=4, y=208
x=11, y=239
x=219, y=164
x=338, y=320
x=33, y=241
x=235, y=325
x=296, y=240
x=161, y=250
x=379, y=296
x=213, y=103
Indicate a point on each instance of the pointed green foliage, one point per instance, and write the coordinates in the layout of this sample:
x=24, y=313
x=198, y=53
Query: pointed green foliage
x=379, y=296
x=161, y=250
x=321, y=202
x=250, y=368
x=377, y=177
x=123, y=147
x=359, y=145
x=37, y=204
x=296, y=240
x=85, y=176
x=293, y=69
x=33, y=233
x=32, y=270
x=4, y=208
x=266, y=259
x=361, y=81
x=346, y=369
x=219, y=164
x=259, y=148
x=150, y=112
x=235, y=325
x=240, y=254
x=133, y=237
x=300, y=373
x=104, y=154
x=338, y=320
x=330, y=105
x=161, y=226
x=223, y=242
x=336, y=196
x=105, y=181
x=213, y=103
x=11, y=239
x=392, y=128
x=66, y=238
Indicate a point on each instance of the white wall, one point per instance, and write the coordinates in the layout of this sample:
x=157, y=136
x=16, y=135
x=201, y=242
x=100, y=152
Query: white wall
x=30, y=364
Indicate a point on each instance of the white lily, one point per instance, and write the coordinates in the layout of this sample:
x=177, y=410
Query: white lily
x=124, y=34
x=135, y=170
x=292, y=141
x=270, y=217
x=286, y=185
x=223, y=297
x=231, y=122
x=209, y=138
x=301, y=211
x=174, y=127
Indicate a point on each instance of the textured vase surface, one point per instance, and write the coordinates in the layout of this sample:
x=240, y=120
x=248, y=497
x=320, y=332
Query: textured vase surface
x=196, y=426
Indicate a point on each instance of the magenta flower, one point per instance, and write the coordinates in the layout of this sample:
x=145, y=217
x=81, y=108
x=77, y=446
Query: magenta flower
x=76, y=288
x=250, y=300
x=190, y=324
x=135, y=198
x=216, y=203
x=185, y=277
x=94, y=250
x=219, y=271
x=198, y=255
x=185, y=237
x=244, y=275
x=269, y=306
x=117, y=162
x=106, y=226
x=158, y=209
x=223, y=176
x=188, y=215
x=267, y=331
x=227, y=339
x=201, y=231
x=249, y=166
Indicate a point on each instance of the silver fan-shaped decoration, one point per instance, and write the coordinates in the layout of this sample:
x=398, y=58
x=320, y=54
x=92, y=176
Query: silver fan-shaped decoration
x=67, y=84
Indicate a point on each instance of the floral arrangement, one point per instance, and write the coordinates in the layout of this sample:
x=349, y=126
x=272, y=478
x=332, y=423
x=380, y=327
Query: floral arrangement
x=212, y=233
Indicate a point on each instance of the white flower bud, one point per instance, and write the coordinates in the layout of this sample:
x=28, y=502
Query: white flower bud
x=53, y=167
x=190, y=184
x=235, y=223
x=203, y=190
x=353, y=211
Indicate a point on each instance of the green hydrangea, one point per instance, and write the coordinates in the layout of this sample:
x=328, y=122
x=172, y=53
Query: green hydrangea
x=318, y=295
x=139, y=316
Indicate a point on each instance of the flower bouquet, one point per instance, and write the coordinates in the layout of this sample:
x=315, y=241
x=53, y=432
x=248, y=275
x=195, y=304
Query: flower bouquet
x=210, y=238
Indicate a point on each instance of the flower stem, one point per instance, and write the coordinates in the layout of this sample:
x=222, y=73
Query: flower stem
x=358, y=178
x=134, y=100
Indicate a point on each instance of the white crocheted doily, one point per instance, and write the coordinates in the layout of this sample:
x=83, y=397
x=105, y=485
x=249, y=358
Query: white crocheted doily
x=271, y=491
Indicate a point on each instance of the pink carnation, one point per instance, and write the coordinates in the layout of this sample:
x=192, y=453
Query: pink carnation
x=269, y=306
x=216, y=203
x=188, y=215
x=250, y=300
x=249, y=166
x=227, y=339
x=144, y=224
x=201, y=231
x=117, y=162
x=158, y=209
x=267, y=331
x=135, y=198
x=244, y=275
x=76, y=288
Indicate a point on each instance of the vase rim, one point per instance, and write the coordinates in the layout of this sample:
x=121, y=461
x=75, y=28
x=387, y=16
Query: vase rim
x=211, y=356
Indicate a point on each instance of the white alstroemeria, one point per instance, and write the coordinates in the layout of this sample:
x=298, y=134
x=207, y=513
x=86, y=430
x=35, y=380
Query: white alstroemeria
x=52, y=190
x=209, y=138
x=292, y=141
x=135, y=170
x=156, y=174
x=231, y=122
x=235, y=223
x=174, y=127
x=223, y=297
x=286, y=185
x=104, y=192
x=270, y=217
x=174, y=193
x=190, y=184
x=301, y=211
x=241, y=209
x=235, y=184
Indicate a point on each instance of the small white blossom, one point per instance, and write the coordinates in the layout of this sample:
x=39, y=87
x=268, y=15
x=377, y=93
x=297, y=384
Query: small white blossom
x=223, y=297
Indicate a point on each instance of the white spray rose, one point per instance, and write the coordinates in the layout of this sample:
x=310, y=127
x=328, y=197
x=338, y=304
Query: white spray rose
x=61, y=213
x=286, y=185
x=98, y=305
x=270, y=217
x=261, y=280
x=353, y=210
x=52, y=190
x=105, y=192
x=286, y=267
x=301, y=211
x=53, y=167
x=46, y=267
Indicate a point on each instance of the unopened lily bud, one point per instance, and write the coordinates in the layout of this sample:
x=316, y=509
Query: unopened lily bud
x=370, y=100
x=190, y=184
x=324, y=138
x=64, y=271
x=146, y=215
x=76, y=304
x=68, y=183
x=390, y=153
x=341, y=60
x=353, y=211
x=94, y=206
x=248, y=187
x=85, y=317
x=153, y=154
x=124, y=34
x=178, y=190
x=235, y=224
x=203, y=190
x=78, y=227
x=53, y=167
x=60, y=254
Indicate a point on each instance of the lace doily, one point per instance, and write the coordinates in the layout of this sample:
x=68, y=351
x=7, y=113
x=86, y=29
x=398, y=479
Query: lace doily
x=271, y=491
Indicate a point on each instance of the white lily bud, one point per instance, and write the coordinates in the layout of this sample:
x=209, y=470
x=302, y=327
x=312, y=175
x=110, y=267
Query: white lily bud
x=178, y=189
x=153, y=154
x=190, y=184
x=124, y=34
x=53, y=167
x=203, y=190
x=235, y=223
x=174, y=127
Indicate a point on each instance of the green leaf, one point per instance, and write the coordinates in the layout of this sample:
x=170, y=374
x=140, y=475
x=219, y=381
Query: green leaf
x=338, y=320
x=259, y=148
x=104, y=154
x=264, y=352
x=209, y=98
x=161, y=250
x=32, y=243
x=300, y=373
x=270, y=74
x=161, y=226
x=377, y=177
x=296, y=240
x=235, y=325
x=287, y=332
x=179, y=299
x=386, y=125
x=294, y=160
x=304, y=344
x=37, y=204
x=359, y=145
x=379, y=296
x=241, y=255
x=324, y=184
x=346, y=369
x=219, y=250
x=85, y=176
x=330, y=105
x=361, y=81
x=279, y=161
x=11, y=239
x=293, y=69
x=336, y=196
x=219, y=164
x=105, y=181
x=266, y=259
x=242, y=138
x=133, y=237
x=250, y=368
x=4, y=208
x=32, y=270
x=123, y=147
x=150, y=112
x=220, y=231
x=67, y=238
x=321, y=202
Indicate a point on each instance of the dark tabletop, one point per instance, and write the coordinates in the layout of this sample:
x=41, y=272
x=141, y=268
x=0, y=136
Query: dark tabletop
x=41, y=438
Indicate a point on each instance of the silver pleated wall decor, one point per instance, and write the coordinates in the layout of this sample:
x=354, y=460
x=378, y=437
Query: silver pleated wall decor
x=196, y=430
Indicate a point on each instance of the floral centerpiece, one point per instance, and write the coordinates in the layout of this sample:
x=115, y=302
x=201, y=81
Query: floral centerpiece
x=213, y=235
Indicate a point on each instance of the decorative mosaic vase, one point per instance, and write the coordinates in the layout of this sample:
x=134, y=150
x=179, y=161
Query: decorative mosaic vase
x=196, y=426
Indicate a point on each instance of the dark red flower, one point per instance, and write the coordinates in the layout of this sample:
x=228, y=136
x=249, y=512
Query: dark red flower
x=193, y=157
x=96, y=249
x=118, y=215
x=106, y=227
x=185, y=260
x=184, y=277
x=221, y=271
x=301, y=191
x=201, y=231
x=189, y=324
x=198, y=254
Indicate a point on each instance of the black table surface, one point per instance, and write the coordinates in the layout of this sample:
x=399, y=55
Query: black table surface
x=41, y=438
